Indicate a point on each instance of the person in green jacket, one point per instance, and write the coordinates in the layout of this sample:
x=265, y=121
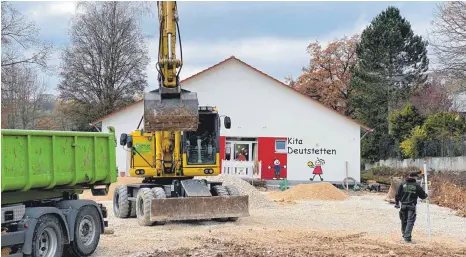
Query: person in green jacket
x=408, y=194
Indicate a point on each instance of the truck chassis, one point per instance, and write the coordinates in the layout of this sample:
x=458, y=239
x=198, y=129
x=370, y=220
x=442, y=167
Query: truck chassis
x=55, y=227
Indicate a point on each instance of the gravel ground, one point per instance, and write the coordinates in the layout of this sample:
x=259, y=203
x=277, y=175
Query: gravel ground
x=363, y=225
x=256, y=198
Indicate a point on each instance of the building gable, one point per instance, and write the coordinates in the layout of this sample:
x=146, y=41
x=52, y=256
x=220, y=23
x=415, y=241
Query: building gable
x=192, y=83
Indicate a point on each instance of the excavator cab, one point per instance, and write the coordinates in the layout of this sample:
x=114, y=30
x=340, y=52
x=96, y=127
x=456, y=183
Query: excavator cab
x=201, y=148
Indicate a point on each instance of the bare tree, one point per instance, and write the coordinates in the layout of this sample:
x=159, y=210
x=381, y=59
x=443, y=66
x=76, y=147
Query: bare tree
x=104, y=67
x=434, y=96
x=20, y=42
x=22, y=99
x=449, y=37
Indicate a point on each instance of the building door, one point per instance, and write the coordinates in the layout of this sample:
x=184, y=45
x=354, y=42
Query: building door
x=241, y=149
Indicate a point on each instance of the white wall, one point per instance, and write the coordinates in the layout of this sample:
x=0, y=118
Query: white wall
x=436, y=163
x=260, y=106
x=125, y=121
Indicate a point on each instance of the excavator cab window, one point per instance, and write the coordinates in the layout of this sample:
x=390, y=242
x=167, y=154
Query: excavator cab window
x=201, y=146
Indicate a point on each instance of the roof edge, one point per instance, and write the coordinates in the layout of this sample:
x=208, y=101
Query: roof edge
x=255, y=69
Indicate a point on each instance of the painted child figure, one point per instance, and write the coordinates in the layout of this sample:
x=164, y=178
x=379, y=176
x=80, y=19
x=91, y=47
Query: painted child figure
x=277, y=167
x=317, y=168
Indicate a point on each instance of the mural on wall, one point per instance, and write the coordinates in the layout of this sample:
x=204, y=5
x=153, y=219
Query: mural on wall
x=277, y=167
x=317, y=166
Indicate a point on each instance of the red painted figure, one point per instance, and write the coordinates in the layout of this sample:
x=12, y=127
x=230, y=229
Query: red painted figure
x=277, y=167
x=317, y=168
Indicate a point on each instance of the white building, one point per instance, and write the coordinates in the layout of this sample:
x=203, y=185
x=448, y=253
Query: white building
x=270, y=122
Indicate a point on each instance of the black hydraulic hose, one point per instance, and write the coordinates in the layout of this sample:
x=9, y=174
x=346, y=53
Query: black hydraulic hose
x=181, y=49
x=179, y=37
x=140, y=122
x=142, y=158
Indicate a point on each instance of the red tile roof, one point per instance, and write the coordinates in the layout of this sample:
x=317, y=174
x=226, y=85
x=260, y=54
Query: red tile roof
x=264, y=74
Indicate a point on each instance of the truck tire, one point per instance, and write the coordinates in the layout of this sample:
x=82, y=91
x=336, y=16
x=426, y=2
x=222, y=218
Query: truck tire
x=48, y=239
x=220, y=191
x=145, y=195
x=232, y=191
x=121, y=204
x=86, y=233
x=159, y=193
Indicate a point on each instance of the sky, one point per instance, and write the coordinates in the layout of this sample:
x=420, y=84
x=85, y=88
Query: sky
x=271, y=36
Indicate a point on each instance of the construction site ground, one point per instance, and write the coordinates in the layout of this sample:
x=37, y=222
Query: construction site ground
x=362, y=225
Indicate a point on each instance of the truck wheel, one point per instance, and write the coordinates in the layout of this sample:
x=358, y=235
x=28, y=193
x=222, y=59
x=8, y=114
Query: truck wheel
x=121, y=207
x=145, y=195
x=159, y=193
x=48, y=238
x=232, y=191
x=87, y=232
x=220, y=191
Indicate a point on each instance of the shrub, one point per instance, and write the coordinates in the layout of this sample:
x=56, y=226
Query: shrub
x=383, y=174
x=413, y=145
x=449, y=190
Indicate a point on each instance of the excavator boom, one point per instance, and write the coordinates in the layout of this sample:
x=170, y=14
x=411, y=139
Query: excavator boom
x=169, y=108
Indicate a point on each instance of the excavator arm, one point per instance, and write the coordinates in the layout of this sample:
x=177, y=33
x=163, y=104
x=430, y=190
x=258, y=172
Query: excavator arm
x=169, y=108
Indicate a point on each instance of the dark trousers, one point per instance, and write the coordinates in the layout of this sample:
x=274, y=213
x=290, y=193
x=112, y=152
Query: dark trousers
x=407, y=217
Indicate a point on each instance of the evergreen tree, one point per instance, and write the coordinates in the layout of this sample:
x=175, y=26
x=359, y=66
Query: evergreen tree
x=391, y=62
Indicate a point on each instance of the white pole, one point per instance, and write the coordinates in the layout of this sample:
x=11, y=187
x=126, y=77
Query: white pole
x=427, y=201
x=346, y=168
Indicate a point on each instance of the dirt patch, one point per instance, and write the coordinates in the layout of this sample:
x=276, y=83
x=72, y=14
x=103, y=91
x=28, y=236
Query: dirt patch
x=317, y=191
x=121, y=180
x=302, y=243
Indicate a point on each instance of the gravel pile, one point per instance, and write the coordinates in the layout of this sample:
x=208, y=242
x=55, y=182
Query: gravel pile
x=256, y=198
x=318, y=191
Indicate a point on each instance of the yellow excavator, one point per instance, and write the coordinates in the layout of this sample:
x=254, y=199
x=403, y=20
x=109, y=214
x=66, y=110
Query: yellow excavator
x=180, y=141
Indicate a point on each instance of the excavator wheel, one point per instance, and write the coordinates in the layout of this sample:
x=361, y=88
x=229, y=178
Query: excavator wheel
x=220, y=191
x=121, y=204
x=143, y=199
x=159, y=193
x=232, y=191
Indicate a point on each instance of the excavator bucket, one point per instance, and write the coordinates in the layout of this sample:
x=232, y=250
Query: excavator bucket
x=179, y=113
x=199, y=208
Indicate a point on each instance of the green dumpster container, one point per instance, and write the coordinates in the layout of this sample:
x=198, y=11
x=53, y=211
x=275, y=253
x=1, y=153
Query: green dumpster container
x=56, y=160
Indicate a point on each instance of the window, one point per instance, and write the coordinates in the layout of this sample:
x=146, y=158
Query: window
x=242, y=152
x=280, y=146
